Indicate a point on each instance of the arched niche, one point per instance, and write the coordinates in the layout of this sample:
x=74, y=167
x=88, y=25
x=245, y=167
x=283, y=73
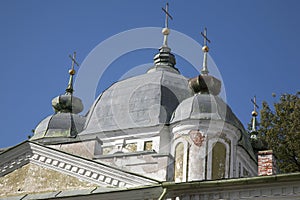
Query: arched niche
x=218, y=162
x=180, y=151
x=218, y=166
x=179, y=162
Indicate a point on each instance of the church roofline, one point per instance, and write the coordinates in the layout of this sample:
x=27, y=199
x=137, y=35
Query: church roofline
x=171, y=189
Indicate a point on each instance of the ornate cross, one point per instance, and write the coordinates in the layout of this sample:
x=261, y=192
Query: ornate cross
x=205, y=37
x=167, y=15
x=254, y=103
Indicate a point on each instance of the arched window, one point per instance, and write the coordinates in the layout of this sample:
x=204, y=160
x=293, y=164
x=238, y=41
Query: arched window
x=218, y=161
x=179, y=154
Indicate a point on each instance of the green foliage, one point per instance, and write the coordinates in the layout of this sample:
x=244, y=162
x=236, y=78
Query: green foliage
x=280, y=129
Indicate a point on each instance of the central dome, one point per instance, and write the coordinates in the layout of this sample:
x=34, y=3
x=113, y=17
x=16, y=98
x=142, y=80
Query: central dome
x=143, y=101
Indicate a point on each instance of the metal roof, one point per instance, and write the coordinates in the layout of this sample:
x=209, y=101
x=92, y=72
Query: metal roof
x=142, y=101
x=59, y=125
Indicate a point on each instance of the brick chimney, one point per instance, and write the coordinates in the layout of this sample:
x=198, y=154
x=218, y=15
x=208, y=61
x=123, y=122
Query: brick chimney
x=266, y=163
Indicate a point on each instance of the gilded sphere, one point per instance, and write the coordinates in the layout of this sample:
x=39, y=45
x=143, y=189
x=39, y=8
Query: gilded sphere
x=71, y=71
x=205, y=49
x=254, y=113
x=165, y=31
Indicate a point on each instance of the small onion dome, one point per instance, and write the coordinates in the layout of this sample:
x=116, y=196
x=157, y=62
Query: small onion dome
x=205, y=84
x=67, y=104
x=64, y=124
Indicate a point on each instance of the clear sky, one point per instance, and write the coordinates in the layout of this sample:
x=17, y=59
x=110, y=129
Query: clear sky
x=255, y=45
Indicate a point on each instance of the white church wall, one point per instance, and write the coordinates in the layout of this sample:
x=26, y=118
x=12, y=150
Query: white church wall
x=248, y=167
x=198, y=160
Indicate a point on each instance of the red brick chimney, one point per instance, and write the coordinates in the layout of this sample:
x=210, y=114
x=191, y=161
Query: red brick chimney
x=266, y=163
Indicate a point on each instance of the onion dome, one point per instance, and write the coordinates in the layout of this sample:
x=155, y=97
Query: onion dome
x=67, y=103
x=65, y=124
x=204, y=83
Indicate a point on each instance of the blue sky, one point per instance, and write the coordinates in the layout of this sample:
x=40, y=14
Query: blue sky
x=255, y=45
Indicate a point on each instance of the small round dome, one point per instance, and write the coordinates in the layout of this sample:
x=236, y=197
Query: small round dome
x=59, y=126
x=67, y=103
x=64, y=124
x=205, y=106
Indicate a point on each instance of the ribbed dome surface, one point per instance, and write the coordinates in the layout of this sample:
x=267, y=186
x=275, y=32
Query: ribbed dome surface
x=205, y=106
x=142, y=101
x=59, y=125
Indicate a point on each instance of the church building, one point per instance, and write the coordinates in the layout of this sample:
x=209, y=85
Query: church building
x=159, y=135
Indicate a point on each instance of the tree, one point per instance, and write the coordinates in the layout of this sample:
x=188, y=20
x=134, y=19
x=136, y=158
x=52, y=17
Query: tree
x=280, y=129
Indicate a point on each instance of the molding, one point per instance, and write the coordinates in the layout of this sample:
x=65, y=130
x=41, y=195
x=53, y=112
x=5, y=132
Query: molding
x=81, y=168
x=14, y=158
x=127, y=154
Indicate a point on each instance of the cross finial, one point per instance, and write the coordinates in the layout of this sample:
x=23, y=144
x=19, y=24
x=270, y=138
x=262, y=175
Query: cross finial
x=254, y=115
x=166, y=10
x=254, y=104
x=166, y=30
x=73, y=58
x=205, y=37
x=205, y=49
x=72, y=72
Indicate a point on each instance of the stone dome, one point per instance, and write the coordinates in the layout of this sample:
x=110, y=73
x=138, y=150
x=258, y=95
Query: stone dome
x=143, y=101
